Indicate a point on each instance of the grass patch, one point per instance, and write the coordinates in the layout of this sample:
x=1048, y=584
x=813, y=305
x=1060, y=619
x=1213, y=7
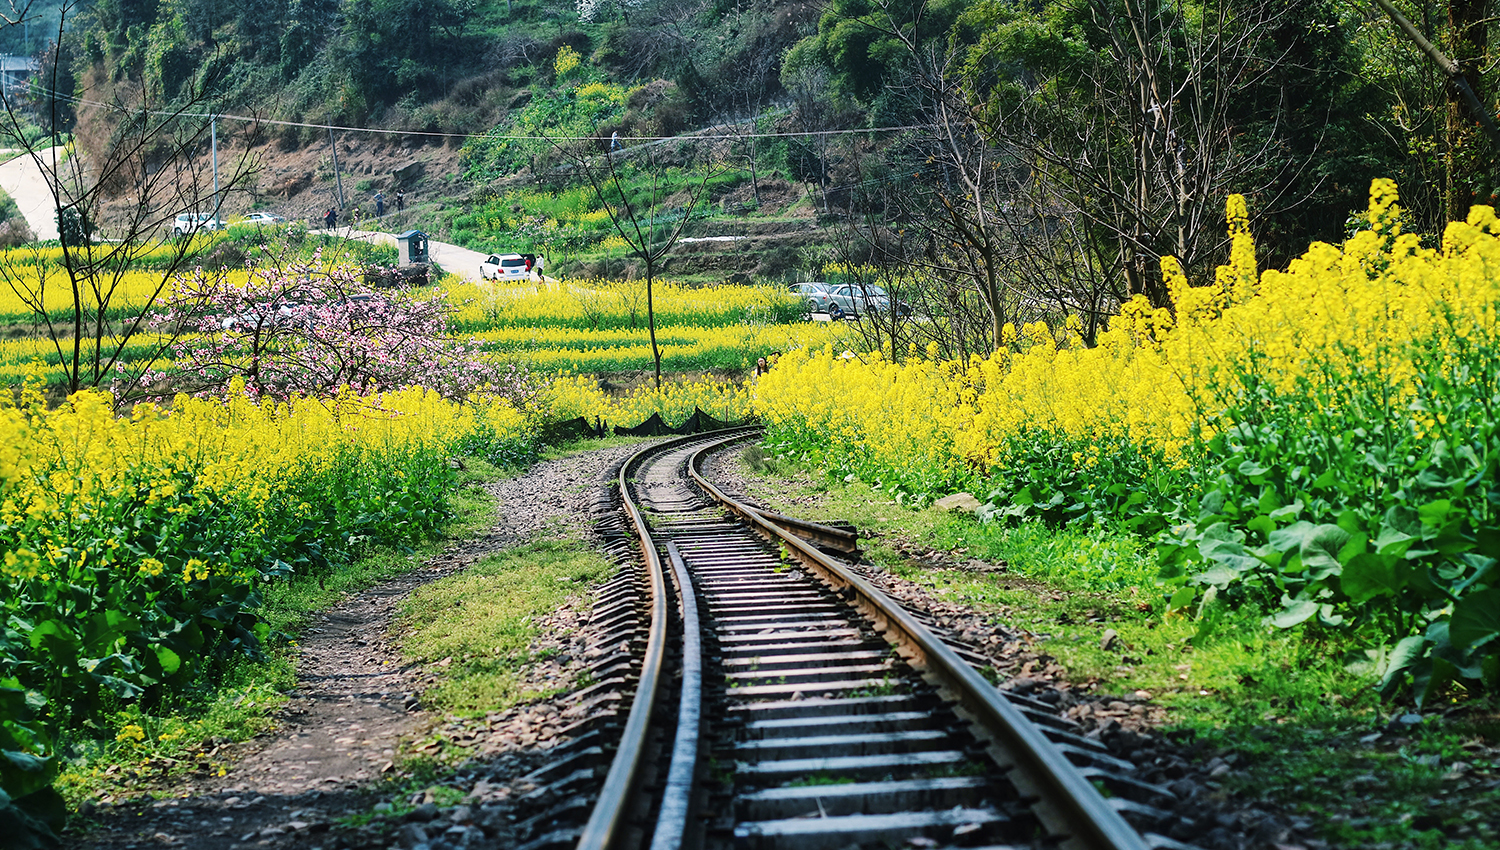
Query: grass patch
x=146, y=749
x=1304, y=726
x=482, y=622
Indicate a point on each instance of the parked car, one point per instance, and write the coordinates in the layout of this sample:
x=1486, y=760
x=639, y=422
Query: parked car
x=504, y=267
x=261, y=218
x=264, y=318
x=818, y=295
x=857, y=300
x=189, y=223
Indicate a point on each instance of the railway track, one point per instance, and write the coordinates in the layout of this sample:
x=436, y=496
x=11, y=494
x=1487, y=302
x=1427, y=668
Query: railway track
x=781, y=701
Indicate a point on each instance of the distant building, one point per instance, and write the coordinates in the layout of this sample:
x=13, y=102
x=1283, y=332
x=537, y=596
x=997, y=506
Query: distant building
x=16, y=71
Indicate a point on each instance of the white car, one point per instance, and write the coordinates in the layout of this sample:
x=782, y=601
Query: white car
x=260, y=218
x=189, y=223
x=504, y=267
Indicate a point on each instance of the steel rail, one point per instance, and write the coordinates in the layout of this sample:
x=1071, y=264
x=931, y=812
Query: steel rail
x=671, y=820
x=1071, y=806
x=607, y=820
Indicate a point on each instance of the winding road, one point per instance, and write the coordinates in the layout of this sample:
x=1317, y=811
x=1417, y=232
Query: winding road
x=24, y=180
x=27, y=182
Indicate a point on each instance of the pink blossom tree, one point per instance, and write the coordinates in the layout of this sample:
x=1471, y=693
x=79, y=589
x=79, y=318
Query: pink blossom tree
x=301, y=328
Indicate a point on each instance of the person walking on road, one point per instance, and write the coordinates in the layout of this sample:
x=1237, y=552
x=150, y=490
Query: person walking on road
x=331, y=217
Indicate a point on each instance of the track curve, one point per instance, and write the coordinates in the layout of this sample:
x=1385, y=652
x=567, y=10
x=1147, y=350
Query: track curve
x=807, y=711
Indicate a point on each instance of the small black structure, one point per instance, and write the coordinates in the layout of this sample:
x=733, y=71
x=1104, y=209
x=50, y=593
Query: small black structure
x=411, y=247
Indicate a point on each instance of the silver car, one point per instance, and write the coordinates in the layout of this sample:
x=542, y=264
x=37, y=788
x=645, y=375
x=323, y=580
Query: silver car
x=818, y=295
x=862, y=300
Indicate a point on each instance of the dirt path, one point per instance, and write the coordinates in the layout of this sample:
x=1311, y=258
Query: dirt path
x=353, y=705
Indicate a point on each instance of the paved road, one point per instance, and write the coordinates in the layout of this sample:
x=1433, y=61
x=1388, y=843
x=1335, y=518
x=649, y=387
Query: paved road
x=28, y=185
x=453, y=259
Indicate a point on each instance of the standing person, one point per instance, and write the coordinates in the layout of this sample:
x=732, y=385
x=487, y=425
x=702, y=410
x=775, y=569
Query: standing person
x=379, y=204
x=536, y=269
x=400, y=202
x=331, y=217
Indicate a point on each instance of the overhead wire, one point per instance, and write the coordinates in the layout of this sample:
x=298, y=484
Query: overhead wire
x=252, y=119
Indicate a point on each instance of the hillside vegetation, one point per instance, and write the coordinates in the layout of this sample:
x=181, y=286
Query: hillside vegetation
x=1295, y=105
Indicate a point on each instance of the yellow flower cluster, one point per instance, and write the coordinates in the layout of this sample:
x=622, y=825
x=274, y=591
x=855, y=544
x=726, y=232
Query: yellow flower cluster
x=1155, y=375
x=576, y=395
x=593, y=304
x=52, y=287
x=682, y=347
x=80, y=460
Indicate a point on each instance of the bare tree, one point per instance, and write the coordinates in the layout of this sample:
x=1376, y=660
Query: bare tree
x=1066, y=157
x=634, y=187
x=156, y=161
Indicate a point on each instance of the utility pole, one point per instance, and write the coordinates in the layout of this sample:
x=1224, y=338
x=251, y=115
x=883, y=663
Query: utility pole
x=213, y=147
x=338, y=178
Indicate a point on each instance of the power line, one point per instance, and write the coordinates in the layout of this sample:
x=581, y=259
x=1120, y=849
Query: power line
x=496, y=136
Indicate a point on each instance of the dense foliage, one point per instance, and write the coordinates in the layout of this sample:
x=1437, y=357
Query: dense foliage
x=136, y=548
x=1316, y=443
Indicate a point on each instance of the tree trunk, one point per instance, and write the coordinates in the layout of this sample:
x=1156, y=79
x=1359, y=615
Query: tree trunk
x=1468, y=167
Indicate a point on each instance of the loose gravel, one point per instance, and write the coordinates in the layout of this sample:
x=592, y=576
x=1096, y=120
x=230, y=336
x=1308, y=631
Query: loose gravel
x=1128, y=723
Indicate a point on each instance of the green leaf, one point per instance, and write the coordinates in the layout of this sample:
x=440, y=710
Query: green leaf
x=1217, y=575
x=1290, y=538
x=1435, y=514
x=1407, y=652
x=1262, y=523
x=170, y=661
x=1287, y=512
x=1251, y=469
x=1393, y=541
x=1368, y=575
x=1297, y=611
x=1268, y=501
x=1476, y=619
x=1182, y=598
x=1321, y=546
x=1327, y=616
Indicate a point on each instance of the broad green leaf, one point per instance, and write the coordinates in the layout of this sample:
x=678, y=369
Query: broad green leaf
x=1393, y=541
x=1476, y=619
x=1320, y=547
x=1368, y=575
x=170, y=661
x=1290, y=538
x=1407, y=652
x=1435, y=514
x=1358, y=544
x=1430, y=679
x=1288, y=511
x=1483, y=567
x=1182, y=598
x=1268, y=501
x=1262, y=523
x=1217, y=575
x=1296, y=611
x=1251, y=469
x=1327, y=616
